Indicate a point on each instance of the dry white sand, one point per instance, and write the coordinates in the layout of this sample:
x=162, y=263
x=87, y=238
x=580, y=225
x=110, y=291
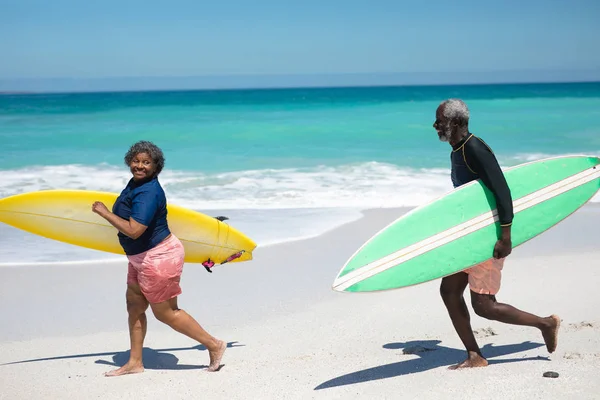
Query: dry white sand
x=292, y=337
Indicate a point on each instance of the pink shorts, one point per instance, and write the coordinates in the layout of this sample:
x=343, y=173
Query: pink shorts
x=485, y=278
x=158, y=270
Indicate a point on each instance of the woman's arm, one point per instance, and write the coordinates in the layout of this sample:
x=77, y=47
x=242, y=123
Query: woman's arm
x=131, y=228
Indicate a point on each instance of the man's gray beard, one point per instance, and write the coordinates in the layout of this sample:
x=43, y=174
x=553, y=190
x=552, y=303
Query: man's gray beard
x=445, y=136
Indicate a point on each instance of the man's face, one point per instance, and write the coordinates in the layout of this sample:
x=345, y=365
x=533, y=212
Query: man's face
x=442, y=125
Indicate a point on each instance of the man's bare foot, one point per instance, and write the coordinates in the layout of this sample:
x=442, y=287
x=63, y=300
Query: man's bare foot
x=126, y=369
x=474, y=360
x=216, y=356
x=550, y=333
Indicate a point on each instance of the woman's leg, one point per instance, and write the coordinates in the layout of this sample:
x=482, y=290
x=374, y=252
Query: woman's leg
x=169, y=313
x=136, y=308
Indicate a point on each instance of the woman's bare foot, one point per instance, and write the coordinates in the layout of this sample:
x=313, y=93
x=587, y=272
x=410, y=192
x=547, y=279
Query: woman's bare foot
x=550, y=333
x=474, y=360
x=216, y=356
x=126, y=369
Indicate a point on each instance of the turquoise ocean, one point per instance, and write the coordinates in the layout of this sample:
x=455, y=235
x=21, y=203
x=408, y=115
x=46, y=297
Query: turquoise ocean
x=283, y=164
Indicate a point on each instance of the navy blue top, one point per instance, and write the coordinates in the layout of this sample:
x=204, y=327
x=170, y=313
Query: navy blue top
x=473, y=159
x=146, y=203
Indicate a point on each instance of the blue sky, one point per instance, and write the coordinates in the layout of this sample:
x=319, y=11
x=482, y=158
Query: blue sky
x=378, y=40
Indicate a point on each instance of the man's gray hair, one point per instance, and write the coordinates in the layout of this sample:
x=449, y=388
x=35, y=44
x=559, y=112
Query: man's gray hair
x=456, y=110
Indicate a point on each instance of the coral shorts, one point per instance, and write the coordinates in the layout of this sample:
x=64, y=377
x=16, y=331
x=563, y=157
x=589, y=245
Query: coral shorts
x=485, y=278
x=158, y=270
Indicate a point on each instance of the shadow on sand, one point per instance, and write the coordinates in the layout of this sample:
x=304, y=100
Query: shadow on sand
x=433, y=356
x=153, y=359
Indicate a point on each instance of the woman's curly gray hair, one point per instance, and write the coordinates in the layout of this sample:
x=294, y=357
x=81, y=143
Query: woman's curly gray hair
x=144, y=146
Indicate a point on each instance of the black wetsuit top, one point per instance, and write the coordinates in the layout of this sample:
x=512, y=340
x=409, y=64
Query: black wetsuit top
x=473, y=159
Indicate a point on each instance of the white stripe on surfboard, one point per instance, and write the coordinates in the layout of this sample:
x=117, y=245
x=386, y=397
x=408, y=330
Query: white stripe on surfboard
x=459, y=231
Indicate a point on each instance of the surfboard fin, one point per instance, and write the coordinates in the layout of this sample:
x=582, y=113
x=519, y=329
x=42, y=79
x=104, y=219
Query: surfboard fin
x=222, y=218
x=208, y=264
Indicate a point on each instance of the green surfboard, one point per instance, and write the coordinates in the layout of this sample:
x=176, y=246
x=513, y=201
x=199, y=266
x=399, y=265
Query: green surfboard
x=460, y=229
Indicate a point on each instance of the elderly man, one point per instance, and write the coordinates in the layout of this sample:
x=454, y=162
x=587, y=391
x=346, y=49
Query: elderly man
x=472, y=159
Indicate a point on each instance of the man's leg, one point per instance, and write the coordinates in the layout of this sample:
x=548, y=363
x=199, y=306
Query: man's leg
x=452, y=290
x=484, y=282
x=486, y=306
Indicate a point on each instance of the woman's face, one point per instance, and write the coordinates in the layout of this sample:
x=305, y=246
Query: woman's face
x=142, y=167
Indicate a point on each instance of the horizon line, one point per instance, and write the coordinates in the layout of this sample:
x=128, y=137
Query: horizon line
x=311, y=87
x=165, y=83
x=249, y=74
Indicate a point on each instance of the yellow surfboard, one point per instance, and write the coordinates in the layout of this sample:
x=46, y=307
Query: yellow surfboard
x=67, y=216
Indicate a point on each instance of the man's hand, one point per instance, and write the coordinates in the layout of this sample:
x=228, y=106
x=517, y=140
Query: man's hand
x=502, y=248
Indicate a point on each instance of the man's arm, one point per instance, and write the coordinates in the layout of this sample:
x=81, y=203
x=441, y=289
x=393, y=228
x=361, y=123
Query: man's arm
x=482, y=161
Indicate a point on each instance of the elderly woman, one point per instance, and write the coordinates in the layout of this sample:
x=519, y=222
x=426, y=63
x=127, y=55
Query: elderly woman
x=155, y=257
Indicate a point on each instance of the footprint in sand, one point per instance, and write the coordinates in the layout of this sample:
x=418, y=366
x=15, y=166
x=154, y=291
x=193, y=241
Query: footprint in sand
x=573, y=356
x=484, y=332
x=583, y=325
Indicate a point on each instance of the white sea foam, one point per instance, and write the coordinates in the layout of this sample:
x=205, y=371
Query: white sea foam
x=352, y=186
x=528, y=157
x=270, y=205
x=358, y=186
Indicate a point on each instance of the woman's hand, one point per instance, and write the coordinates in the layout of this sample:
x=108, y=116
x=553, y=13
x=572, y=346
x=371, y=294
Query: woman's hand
x=99, y=208
x=130, y=227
